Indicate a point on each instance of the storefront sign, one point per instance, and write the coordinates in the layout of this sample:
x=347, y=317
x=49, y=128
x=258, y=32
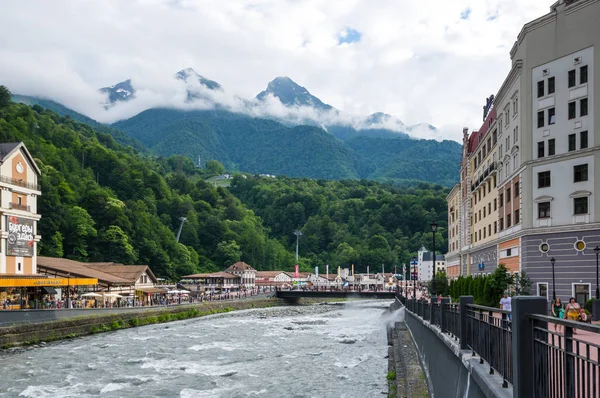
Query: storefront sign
x=39, y=282
x=20, y=237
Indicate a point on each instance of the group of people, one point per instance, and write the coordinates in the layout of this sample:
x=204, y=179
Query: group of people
x=572, y=311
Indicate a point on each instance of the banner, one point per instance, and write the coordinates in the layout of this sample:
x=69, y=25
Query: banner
x=20, y=237
x=352, y=269
x=339, y=272
x=327, y=269
x=296, y=275
x=317, y=272
x=367, y=270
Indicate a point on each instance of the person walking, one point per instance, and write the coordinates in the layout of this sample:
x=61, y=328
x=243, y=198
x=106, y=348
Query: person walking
x=506, y=305
x=572, y=311
x=557, y=310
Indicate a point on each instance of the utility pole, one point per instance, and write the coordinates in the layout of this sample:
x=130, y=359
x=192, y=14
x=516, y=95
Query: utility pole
x=298, y=235
x=183, y=219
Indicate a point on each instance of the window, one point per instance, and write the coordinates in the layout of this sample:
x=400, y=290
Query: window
x=551, y=116
x=571, y=78
x=540, y=88
x=490, y=208
x=501, y=199
x=551, y=85
x=583, y=76
x=495, y=204
x=507, y=116
x=583, y=139
x=516, y=134
x=484, y=233
x=540, y=119
x=580, y=173
x=544, y=210
x=583, y=107
x=508, y=195
x=19, y=200
x=572, y=111
x=572, y=141
x=541, y=149
x=484, y=209
x=581, y=205
x=517, y=215
x=508, y=251
x=18, y=266
x=490, y=229
x=501, y=224
x=516, y=106
x=494, y=137
x=500, y=151
x=544, y=179
x=495, y=227
x=551, y=147
x=516, y=190
x=508, y=221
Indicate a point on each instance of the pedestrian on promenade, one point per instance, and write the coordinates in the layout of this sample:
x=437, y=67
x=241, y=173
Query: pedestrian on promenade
x=506, y=304
x=557, y=310
x=572, y=311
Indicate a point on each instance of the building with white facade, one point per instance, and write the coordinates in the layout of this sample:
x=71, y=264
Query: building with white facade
x=425, y=264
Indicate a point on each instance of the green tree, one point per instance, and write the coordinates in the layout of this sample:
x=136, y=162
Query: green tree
x=115, y=245
x=214, y=167
x=5, y=97
x=79, y=231
x=228, y=253
x=522, y=284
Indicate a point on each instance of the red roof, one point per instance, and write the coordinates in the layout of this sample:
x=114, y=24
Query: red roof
x=476, y=136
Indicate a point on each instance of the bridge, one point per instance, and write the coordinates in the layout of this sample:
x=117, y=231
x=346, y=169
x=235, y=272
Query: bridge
x=298, y=294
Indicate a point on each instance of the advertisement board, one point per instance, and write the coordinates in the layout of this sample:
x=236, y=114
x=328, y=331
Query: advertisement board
x=20, y=237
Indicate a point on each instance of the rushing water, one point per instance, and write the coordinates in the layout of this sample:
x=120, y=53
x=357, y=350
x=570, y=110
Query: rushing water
x=316, y=351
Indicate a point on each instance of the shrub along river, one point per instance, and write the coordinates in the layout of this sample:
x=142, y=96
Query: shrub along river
x=310, y=351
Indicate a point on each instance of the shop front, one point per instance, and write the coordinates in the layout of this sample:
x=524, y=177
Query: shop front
x=34, y=292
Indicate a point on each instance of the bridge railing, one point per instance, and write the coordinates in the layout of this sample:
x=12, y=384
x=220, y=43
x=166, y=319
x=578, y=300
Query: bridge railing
x=565, y=365
x=539, y=355
x=489, y=336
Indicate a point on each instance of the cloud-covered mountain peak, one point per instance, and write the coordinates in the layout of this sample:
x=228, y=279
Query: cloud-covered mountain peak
x=292, y=94
x=122, y=91
x=189, y=75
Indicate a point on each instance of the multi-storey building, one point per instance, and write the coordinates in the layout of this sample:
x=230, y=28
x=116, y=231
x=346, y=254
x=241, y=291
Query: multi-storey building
x=547, y=152
x=454, y=233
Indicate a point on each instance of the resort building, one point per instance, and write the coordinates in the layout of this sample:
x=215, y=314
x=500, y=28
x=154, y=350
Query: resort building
x=246, y=273
x=454, y=233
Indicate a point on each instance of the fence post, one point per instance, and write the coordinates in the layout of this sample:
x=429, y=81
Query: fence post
x=463, y=301
x=522, y=342
x=432, y=311
x=443, y=319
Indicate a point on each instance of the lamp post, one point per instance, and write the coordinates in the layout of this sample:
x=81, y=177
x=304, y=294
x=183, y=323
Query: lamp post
x=597, y=251
x=433, y=229
x=552, y=261
x=413, y=263
x=69, y=290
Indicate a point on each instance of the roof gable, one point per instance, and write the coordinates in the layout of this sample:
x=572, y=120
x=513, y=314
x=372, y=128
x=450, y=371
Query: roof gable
x=8, y=148
x=239, y=266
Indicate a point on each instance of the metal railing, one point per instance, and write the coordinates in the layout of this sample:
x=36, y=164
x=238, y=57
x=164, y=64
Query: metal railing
x=437, y=315
x=21, y=183
x=451, y=320
x=18, y=206
x=565, y=366
x=426, y=311
x=489, y=336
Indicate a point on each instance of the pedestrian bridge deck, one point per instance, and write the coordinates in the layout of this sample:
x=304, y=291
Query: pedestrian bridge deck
x=297, y=294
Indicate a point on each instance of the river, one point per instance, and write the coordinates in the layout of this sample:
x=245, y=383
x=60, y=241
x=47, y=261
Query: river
x=310, y=351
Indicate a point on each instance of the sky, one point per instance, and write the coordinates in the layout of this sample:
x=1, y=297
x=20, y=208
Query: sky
x=426, y=61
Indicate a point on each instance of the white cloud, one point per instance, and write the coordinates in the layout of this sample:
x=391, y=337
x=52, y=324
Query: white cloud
x=416, y=60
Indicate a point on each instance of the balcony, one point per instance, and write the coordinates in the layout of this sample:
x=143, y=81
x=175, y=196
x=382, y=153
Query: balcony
x=21, y=183
x=17, y=206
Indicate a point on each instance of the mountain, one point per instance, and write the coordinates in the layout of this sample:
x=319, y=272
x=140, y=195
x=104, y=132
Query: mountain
x=119, y=136
x=189, y=75
x=292, y=94
x=265, y=146
x=123, y=91
x=248, y=144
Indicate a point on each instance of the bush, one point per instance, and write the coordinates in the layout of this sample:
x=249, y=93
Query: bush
x=588, y=305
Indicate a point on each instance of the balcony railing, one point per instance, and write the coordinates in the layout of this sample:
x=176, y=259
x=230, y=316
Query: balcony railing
x=21, y=183
x=18, y=206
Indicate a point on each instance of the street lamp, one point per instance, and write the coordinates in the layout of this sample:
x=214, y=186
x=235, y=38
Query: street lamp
x=413, y=263
x=552, y=261
x=433, y=229
x=597, y=251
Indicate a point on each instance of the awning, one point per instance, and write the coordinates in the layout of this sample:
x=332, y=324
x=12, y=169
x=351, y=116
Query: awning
x=48, y=290
x=40, y=282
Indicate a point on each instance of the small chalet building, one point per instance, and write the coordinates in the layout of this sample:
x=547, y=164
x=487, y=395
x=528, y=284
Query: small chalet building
x=245, y=272
x=272, y=278
x=213, y=282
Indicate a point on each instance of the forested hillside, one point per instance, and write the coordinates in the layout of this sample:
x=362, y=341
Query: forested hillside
x=348, y=222
x=103, y=202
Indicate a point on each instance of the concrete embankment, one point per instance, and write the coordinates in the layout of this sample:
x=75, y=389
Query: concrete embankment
x=34, y=333
x=406, y=378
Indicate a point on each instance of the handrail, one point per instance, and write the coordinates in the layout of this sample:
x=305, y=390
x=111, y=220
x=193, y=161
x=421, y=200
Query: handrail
x=564, y=322
x=492, y=309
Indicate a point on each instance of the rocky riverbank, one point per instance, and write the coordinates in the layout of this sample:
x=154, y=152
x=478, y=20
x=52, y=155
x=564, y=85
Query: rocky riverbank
x=35, y=334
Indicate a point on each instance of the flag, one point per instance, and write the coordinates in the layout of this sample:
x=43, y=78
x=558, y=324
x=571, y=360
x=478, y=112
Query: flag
x=404, y=269
x=367, y=270
x=317, y=272
x=352, y=269
x=296, y=275
x=339, y=272
x=327, y=269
